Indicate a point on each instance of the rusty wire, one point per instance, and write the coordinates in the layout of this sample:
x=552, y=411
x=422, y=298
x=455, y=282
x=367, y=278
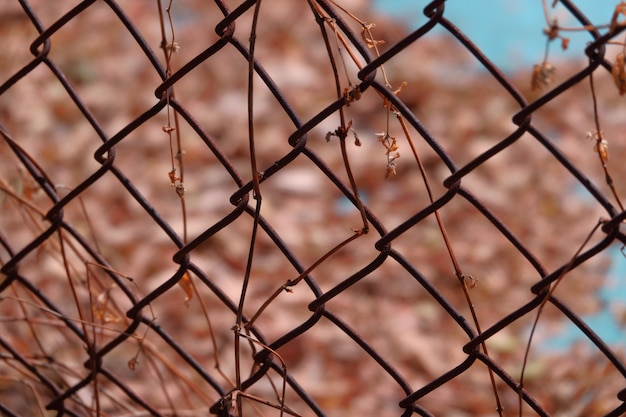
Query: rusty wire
x=64, y=396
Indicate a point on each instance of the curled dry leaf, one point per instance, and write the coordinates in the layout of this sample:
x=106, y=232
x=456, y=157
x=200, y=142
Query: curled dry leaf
x=543, y=75
x=187, y=286
x=619, y=74
x=602, y=148
x=620, y=9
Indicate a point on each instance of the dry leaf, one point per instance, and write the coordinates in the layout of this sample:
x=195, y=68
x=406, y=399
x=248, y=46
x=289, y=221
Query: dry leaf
x=187, y=286
x=543, y=75
x=619, y=74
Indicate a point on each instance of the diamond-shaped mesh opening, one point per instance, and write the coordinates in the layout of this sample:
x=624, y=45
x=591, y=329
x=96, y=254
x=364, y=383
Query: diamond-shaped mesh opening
x=240, y=209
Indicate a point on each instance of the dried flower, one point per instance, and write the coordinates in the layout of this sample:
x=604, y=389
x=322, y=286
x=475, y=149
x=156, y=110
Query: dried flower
x=552, y=32
x=391, y=151
x=101, y=311
x=170, y=47
x=601, y=146
x=367, y=36
x=473, y=282
x=180, y=189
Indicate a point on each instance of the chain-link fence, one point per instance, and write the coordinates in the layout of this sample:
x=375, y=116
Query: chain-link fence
x=419, y=228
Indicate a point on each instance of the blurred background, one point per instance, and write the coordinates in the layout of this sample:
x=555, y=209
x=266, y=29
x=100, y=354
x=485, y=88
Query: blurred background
x=69, y=295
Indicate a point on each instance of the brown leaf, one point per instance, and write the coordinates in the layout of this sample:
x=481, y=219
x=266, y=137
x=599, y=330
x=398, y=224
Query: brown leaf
x=619, y=74
x=187, y=286
x=543, y=75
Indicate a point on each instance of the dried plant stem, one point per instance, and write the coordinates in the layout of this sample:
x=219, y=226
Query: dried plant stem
x=176, y=173
x=174, y=369
x=601, y=145
x=281, y=397
x=366, y=28
x=544, y=301
x=455, y=263
x=341, y=133
x=90, y=343
x=205, y=313
x=28, y=320
x=292, y=282
x=257, y=212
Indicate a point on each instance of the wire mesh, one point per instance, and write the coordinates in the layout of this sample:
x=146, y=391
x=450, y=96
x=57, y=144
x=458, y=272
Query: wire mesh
x=189, y=229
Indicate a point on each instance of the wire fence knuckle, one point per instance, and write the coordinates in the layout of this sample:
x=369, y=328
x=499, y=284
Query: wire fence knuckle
x=113, y=303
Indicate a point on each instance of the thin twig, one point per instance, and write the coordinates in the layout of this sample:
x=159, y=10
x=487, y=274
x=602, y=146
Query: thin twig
x=544, y=301
x=601, y=145
x=455, y=263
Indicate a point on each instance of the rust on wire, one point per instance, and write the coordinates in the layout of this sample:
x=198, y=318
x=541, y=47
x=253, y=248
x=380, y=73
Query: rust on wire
x=216, y=328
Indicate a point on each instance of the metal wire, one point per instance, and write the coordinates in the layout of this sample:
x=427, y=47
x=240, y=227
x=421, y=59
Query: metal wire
x=116, y=391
